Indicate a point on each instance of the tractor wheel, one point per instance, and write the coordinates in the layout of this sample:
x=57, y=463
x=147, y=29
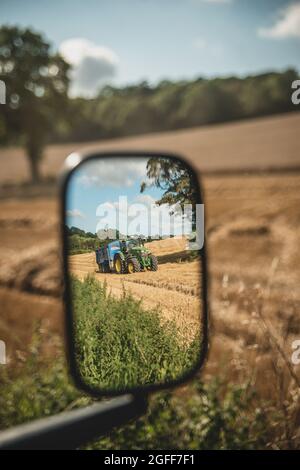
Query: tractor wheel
x=104, y=268
x=119, y=265
x=133, y=266
x=154, y=263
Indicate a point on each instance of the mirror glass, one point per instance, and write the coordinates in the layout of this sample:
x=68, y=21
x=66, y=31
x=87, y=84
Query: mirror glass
x=134, y=235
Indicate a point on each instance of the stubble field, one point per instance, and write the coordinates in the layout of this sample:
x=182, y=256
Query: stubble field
x=253, y=237
x=174, y=289
x=253, y=233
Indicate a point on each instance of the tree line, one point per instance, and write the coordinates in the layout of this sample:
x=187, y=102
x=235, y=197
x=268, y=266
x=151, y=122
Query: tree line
x=142, y=108
x=39, y=110
x=80, y=241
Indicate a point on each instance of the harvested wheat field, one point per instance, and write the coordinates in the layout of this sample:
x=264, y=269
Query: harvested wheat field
x=253, y=233
x=269, y=142
x=174, y=289
x=253, y=237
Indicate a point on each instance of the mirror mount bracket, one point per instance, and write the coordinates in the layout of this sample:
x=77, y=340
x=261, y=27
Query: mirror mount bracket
x=69, y=430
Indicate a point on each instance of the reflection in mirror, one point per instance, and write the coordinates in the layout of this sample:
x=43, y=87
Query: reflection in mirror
x=135, y=237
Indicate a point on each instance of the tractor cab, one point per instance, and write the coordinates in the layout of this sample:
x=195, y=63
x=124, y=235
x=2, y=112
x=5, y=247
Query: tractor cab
x=137, y=246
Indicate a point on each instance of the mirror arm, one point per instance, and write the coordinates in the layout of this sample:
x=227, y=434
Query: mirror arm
x=69, y=430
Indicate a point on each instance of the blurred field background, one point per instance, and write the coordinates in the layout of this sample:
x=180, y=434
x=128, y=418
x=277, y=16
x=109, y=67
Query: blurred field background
x=242, y=136
x=253, y=232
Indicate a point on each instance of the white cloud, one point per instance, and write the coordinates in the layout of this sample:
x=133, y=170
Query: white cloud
x=287, y=24
x=141, y=216
x=75, y=213
x=116, y=172
x=93, y=65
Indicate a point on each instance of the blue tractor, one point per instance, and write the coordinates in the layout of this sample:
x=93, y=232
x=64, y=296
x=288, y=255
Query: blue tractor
x=125, y=257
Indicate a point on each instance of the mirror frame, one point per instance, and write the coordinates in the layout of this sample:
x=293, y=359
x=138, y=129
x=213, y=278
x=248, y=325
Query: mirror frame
x=72, y=163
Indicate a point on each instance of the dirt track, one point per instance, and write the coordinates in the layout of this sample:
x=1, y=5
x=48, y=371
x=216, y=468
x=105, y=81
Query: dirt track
x=173, y=288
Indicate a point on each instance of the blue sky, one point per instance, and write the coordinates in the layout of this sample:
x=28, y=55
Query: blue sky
x=102, y=183
x=94, y=204
x=126, y=41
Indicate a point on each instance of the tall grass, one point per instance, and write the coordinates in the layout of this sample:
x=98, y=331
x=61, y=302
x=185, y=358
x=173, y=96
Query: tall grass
x=37, y=389
x=211, y=416
x=119, y=344
x=226, y=412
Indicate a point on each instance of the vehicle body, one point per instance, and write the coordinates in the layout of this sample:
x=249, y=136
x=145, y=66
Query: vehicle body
x=122, y=257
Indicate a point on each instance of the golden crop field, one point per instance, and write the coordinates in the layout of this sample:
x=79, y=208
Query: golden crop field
x=253, y=232
x=269, y=142
x=253, y=237
x=174, y=289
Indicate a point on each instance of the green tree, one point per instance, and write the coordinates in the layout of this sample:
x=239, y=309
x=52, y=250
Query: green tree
x=174, y=178
x=177, y=182
x=37, y=84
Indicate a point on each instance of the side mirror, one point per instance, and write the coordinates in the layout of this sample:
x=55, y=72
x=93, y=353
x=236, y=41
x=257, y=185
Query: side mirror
x=136, y=313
